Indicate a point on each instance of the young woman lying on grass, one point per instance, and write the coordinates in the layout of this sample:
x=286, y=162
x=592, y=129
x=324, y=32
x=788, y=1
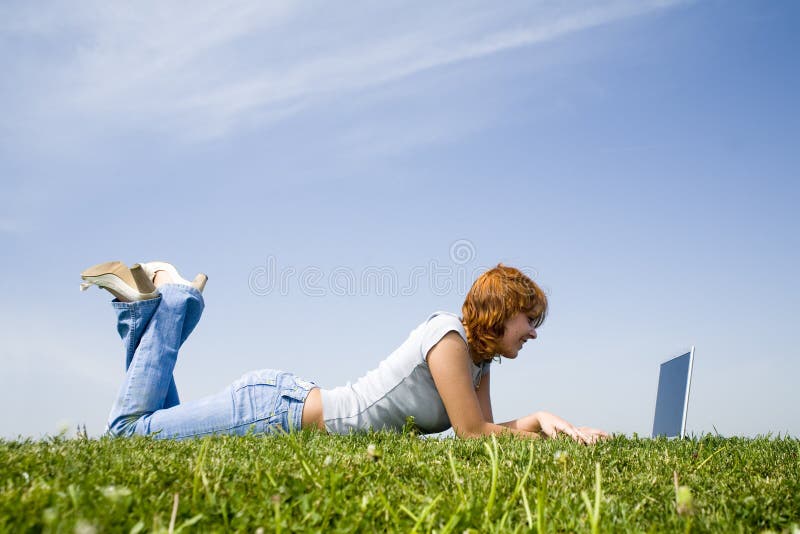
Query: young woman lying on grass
x=439, y=375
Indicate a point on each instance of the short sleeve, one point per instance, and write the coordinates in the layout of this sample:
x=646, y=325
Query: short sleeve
x=435, y=329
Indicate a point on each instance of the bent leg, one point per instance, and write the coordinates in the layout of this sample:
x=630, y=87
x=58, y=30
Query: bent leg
x=148, y=379
x=132, y=320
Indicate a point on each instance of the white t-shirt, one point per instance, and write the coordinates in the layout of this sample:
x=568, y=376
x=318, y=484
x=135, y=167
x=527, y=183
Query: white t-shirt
x=400, y=386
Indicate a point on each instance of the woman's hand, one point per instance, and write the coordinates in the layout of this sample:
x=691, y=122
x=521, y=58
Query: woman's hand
x=552, y=425
x=544, y=424
x=595, y=433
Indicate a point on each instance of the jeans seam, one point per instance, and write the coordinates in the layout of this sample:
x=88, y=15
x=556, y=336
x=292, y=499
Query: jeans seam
x=131, y=347
x=131, y=344
x=222, y=430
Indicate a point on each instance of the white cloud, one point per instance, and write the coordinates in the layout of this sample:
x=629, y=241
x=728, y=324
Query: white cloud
x=200, y=70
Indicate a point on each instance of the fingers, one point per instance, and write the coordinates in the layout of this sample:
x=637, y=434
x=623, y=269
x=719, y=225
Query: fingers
x=595, y=433
x=576, y=434
x=553, y=425
x=583, y=434
x=580, y=436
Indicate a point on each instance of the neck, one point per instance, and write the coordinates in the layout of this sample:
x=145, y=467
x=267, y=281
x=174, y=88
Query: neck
x=474, y=356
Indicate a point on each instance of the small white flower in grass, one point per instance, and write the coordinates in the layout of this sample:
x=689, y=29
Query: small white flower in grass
x=561, y=458
x=26, y=476
x=49, y=515
x=373, y=453
x=63, y=426
x=684, y=502
x=116, y=493
x=327, y=461
x=84, y=527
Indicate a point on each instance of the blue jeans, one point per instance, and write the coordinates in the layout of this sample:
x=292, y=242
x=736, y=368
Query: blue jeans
x=153, y=331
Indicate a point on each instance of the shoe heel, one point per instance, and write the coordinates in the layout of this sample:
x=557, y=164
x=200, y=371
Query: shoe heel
x=110, y=267
x=143, y=282
x=199, y=282
x=118, y=280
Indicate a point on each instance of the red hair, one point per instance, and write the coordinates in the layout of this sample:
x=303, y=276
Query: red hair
x=495, y=297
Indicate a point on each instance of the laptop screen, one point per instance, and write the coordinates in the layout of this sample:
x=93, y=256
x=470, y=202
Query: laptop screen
x=673, y=396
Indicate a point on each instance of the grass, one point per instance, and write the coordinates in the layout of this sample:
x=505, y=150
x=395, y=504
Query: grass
x=392, y=482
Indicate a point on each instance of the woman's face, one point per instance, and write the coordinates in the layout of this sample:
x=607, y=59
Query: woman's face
x=518, y=329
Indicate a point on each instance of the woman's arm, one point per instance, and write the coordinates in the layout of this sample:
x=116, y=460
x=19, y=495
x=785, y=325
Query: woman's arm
x=450, y=363
x=470, y=411
x=485, y=398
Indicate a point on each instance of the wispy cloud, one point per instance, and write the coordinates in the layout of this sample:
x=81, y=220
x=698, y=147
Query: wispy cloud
x=203, y=70
x=10, y=226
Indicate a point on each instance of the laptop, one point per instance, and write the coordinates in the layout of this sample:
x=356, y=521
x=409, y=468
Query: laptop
x=672, y=400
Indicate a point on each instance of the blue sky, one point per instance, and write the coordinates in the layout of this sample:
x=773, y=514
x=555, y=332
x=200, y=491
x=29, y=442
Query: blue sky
x=638, y=158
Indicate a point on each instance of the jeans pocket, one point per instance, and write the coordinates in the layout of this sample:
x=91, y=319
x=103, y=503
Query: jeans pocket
x=296, y=388
x=257, y=399
x=296, y=393
x=267, y=377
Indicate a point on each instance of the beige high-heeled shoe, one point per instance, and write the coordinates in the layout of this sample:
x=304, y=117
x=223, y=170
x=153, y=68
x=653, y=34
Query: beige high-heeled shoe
x=126, y=284
x=151, y=268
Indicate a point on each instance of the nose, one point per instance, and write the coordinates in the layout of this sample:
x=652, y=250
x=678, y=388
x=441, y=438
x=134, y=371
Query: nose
x=532, y=333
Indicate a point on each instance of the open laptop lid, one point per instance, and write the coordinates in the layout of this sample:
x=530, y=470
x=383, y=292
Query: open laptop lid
x=672, y=400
